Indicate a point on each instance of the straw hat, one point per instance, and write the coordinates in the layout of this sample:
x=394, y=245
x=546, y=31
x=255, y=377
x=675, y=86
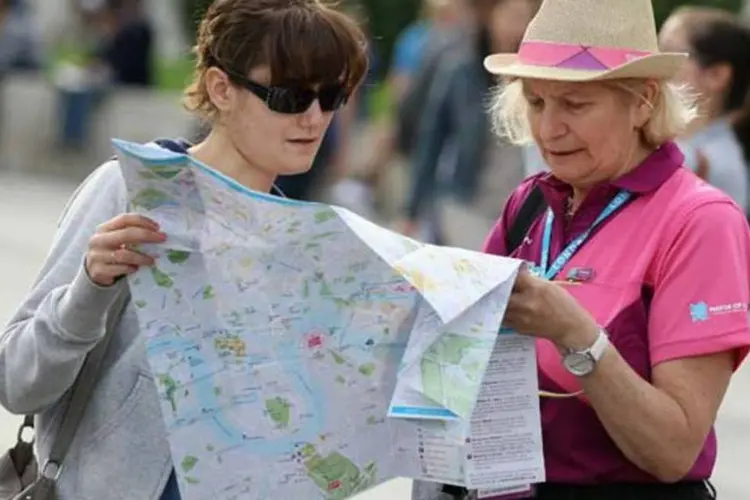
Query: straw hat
x=584, y=40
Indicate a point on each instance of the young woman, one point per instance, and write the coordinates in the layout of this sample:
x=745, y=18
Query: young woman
x=717, y=69
x=269, y=76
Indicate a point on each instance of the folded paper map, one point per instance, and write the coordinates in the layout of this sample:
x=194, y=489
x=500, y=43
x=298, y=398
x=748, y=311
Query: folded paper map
x=286, y=336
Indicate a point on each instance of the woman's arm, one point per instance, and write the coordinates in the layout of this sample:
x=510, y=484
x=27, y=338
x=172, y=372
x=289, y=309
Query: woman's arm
x=698, y=332
x=63, y=317
x=660, y=426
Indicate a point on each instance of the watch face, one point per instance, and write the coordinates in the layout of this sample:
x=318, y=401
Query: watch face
x=579, y=364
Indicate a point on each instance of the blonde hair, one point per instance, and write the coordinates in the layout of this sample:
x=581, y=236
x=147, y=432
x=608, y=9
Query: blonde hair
x=673, y=110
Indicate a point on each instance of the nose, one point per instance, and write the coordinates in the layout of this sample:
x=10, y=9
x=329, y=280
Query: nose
x=314, y=115
x=551, y=126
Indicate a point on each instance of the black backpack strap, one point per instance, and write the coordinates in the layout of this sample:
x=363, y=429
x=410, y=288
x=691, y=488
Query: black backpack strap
x=527, y=214
x=178, y=145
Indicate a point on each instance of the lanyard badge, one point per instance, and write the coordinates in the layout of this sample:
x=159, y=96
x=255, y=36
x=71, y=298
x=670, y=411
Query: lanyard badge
x=549, y=272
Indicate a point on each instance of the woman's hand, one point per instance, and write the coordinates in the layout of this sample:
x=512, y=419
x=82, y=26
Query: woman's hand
x=543, y=309
x=111, y=251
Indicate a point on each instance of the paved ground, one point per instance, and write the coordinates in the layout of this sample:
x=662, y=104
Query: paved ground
x=28, y=212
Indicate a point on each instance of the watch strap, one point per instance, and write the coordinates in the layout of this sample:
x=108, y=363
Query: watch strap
x=599, y=347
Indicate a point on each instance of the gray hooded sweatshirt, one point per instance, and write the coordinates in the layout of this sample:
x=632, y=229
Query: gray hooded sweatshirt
x=120, y=450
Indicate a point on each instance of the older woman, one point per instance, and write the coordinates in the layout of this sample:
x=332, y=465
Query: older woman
x=639, y=286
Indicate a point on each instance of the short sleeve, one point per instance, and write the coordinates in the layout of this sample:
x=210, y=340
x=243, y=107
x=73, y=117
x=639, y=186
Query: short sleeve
x=702, y=286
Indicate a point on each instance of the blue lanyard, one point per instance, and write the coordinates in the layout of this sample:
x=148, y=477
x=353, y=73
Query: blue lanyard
x=562, y=259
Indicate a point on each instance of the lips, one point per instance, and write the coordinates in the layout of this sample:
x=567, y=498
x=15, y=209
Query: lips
x=564, y=153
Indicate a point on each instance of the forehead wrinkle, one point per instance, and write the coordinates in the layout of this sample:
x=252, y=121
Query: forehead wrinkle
x=561, y=90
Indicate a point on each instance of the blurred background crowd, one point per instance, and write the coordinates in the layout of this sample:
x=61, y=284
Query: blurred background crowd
x=414, y=148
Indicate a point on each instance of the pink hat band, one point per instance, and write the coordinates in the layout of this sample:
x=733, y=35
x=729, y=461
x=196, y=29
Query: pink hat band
x=574, y=56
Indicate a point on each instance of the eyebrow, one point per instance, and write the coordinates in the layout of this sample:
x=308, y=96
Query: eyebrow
x=574, y=93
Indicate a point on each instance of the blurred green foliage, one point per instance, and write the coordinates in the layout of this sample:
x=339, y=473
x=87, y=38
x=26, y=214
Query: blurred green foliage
x=384, y=19
x=191, y=12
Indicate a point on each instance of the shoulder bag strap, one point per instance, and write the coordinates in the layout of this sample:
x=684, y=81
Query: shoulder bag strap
x=83, y=388
x=527, y=214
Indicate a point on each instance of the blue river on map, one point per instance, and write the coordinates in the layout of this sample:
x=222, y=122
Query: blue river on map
x=304, y=386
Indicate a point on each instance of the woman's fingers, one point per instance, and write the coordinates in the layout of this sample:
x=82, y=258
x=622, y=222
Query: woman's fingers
x=112, y=251
x=126, y=237
x=120, y=257
x=520, y=312
x=512, y=313
x=104, y=267
x=128, y=220
x=124, y=256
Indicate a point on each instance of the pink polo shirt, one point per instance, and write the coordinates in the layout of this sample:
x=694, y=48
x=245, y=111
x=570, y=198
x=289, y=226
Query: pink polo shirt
x=668, y=276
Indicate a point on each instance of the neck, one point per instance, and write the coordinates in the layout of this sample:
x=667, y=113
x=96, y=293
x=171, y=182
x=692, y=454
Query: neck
x=708, y=112
x=737, y=116
x=219, y=152
x=580, y=192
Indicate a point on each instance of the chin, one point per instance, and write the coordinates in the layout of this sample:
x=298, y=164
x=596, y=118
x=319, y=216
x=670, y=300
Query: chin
x=574, y=177
x=295, y=167
x=567, y=176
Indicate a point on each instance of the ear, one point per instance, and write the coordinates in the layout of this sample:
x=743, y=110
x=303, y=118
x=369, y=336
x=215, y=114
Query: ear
x=220, y=90
x=647, y=97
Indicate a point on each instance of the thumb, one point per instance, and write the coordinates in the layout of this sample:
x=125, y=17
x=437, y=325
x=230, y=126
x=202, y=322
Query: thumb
x=522, y=279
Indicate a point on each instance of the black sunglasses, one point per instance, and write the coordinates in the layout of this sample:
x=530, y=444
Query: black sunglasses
x=292, y=100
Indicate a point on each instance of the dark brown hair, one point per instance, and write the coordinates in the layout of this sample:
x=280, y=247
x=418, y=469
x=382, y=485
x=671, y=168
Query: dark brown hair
x=717, y=36
x=303, y=42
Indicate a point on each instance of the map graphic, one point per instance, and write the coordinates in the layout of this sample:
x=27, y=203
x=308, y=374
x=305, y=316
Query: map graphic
x=284, y=336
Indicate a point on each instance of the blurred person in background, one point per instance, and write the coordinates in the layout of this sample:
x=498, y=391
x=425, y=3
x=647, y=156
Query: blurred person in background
x=114, y=43
x=269, y=76
x=19, y=45
x=127, y=43
x=420, y=40
x=454, y=135
x=741, y=127
x=718, y=70
x=442, y=26
x=20, y=49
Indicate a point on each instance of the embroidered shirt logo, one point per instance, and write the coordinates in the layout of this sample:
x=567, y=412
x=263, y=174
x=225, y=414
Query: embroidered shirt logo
x=701, y=311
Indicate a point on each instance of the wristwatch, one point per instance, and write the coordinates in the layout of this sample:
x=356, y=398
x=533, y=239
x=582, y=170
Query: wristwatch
x=582, y=363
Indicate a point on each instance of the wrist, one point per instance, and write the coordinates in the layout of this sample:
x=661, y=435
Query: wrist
x=579, y=337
